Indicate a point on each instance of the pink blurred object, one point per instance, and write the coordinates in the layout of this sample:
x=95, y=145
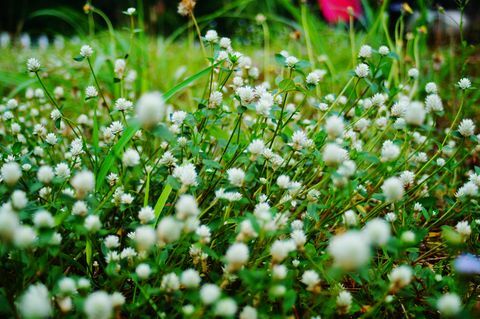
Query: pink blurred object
x=337, y=10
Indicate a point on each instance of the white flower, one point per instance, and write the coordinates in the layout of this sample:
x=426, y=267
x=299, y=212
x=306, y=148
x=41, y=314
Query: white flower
x=236, y=256
x=35, y=302
x=190, y=278
x=449, y=304
x=350, y=218
x=383, y=50
x=311, y=279
x=145, y=237
x=24, y=236
x=209, y=293
x=433, y=102
x=19, y=199
x=377, y=231
x=143, y=271
x=170, y=282
x=45, y=174
x=83, y=183
x=236, y=176
x=93, y=223
x=33, y=65
x=300, y=140
x=334, y=126
x=131, y=158
x=150, y=109
x=290, y=61
x=86, y=51
x=146, y=214
x=280, y=249
x=466, y=127
x=248, y=312
x=344, y=302
x=415, y=113
x=111, y=241
x=43, y=219
x=350, y=250
x=186, y=206
x=393, y=189
x=256, y=147
x=51, y=139
x=464, y=229
x=283, y=181
x=131, y=11
x=365, y=51
x=98, y=305
x=246, y=94
x=91, y=91
x=62, y=170
x=11, y=173
x=169, y=229
x=390, y=151
x=226, y=307
x=334, y=154
x=431, y=88
x=413, y=73
x=400, y=277
x=464, y=83
x=186, y=174
x=362, y=70
x=211, y=36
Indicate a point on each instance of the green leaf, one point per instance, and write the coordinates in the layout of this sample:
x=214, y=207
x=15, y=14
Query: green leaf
x=287, y=85
x=167, y=189
x=128, y=133
x=147, y=190
x=89, y=253
x=79, y=58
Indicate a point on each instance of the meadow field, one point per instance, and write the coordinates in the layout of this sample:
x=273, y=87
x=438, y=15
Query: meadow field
x=285, y=169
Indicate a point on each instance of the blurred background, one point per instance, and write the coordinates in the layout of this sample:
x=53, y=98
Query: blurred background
x=66, y=17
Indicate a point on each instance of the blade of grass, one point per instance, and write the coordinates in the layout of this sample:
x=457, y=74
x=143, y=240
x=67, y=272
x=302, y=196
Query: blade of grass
x=167, y=189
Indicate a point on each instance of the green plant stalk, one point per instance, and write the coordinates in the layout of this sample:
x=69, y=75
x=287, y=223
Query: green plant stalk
x=308, y=41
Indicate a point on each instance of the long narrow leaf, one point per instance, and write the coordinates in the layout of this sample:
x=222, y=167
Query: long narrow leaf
x=162, y=200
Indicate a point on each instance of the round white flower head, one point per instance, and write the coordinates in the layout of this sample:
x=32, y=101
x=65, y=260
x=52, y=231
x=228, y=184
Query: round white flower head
x=415, y=113
x=86, y=51
x=290, y=61
x=226, y=307
x=311, y=279
x=334, y=154
x=248, y=312
x=377, y=231
x=145, y=237
x=365, y=51
x=143, y=271
x=24, y=236
x=187, y=174
x=400, y=277
x=67, y=286
x=190, y=278
x=466, y=127
x=93, y=223
x=169, y=229
x=344, y=302
x=33, y=65
x=464, y=229
x=362, y=70
x=349, y=250
x=350, y=218
x=393, y=189
x=211, y=36
x=131, y=11
x=334, y=126
x=11, y=173
x=83, y=183
x=449, y=304
x=8, y=222
x=131, y=158
x=45, y=174
x=91, y=91
x=150, y=109
x=98, y=305
x=236, y=256
x=19, y=199
x=35, y=302
x=186, y=206
x=413, y=73
x=431, y=88
x=209, y=293
x=390, y=151
x=43, y=219
x=464, y=83
x=236, y=176
x=383, y=50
